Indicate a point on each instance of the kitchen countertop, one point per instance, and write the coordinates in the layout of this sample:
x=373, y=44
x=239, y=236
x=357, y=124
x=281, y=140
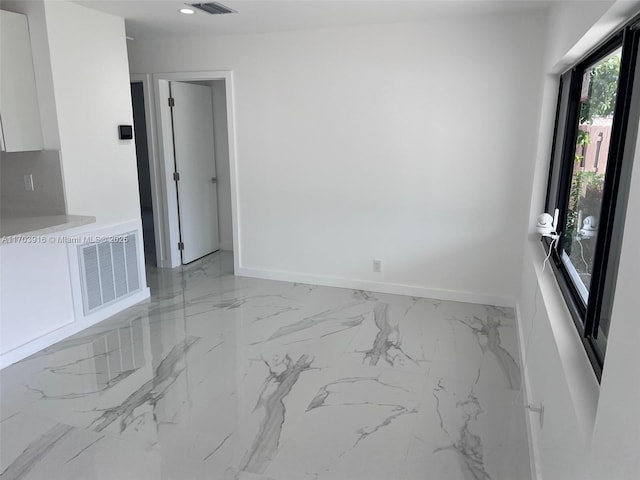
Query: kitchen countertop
x=11, y=225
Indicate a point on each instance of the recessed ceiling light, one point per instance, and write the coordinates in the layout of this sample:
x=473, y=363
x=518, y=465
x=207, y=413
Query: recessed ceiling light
x=187, y=11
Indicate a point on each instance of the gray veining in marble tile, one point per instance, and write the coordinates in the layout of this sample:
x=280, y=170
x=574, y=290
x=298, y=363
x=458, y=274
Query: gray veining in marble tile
x=218, y=447
x=237, y=378
x=362, y=295
x=36, y=450
x=207, y=299
x=212, y=301
x=276, y=388
x=467, y=445
x=71, y=395
x=84, y=449
x=151, y=392
x=387, y=344
x=69, y=368
x=396, y=410
x=487, y=335
x=320, y=400
x=312, y=321
x=278, y=311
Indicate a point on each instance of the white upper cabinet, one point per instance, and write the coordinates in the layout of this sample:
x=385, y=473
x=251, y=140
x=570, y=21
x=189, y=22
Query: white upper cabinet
x=19, y=112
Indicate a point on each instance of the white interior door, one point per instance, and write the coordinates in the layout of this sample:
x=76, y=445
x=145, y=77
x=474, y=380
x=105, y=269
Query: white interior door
x=192, y=115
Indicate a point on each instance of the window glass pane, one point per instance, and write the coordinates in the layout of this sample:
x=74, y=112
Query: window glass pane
x=597, y=104
x=555, y=169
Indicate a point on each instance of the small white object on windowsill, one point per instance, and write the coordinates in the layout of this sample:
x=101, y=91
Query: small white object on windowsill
x=547, y=225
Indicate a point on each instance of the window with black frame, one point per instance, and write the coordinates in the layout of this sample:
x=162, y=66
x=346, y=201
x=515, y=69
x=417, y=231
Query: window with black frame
x=589, y=181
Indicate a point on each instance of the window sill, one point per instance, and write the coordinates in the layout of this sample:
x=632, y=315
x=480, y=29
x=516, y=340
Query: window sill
x=581, y=380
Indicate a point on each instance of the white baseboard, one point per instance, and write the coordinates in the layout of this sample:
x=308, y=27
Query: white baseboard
x=380, y=287
x=34, y=346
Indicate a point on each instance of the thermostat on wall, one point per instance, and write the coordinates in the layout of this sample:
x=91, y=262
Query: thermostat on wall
x=126, y=132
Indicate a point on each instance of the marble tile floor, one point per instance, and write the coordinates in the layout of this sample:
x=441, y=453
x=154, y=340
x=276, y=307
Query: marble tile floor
x=222, y=377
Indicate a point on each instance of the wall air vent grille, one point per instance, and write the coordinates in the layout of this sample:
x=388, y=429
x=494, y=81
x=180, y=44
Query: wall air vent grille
x=214, y=8
x=109, y=270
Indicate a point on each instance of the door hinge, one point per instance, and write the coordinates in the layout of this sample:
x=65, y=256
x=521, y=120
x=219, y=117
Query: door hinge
x=180, y=246
x=172, y=102
x=176, y=176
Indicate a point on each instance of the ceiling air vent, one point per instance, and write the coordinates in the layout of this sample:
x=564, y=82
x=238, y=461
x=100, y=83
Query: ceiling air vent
x=214, y=8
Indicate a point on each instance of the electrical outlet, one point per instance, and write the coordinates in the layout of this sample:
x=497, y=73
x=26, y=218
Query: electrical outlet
x=28, y=183
x=377, y=266
x=539, y=409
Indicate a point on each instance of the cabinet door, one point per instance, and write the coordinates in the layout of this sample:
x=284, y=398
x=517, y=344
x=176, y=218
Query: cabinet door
x=19, y=112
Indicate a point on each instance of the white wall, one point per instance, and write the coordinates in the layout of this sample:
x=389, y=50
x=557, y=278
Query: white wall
x=590, y=431
x=616, y=438
x=92, y=93
x=221, y=135
x=404, y=143
x=568, y=23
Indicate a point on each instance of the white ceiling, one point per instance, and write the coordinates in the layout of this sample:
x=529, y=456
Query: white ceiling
x=147, y=19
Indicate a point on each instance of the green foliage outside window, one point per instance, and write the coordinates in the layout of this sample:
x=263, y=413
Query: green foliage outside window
x=587, y=186
x=603, y=89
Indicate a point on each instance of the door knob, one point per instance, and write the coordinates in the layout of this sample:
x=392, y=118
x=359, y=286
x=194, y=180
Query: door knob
x=214, y=180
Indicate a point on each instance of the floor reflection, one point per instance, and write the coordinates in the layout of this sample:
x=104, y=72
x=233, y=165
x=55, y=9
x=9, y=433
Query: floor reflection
x=236, y=378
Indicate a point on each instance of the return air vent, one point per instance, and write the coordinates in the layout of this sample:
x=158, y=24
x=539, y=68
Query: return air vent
x=214, y=8
x=109, y=271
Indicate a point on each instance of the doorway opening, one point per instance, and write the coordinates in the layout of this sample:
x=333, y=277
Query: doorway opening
x=196, y=164
x=144, y=173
